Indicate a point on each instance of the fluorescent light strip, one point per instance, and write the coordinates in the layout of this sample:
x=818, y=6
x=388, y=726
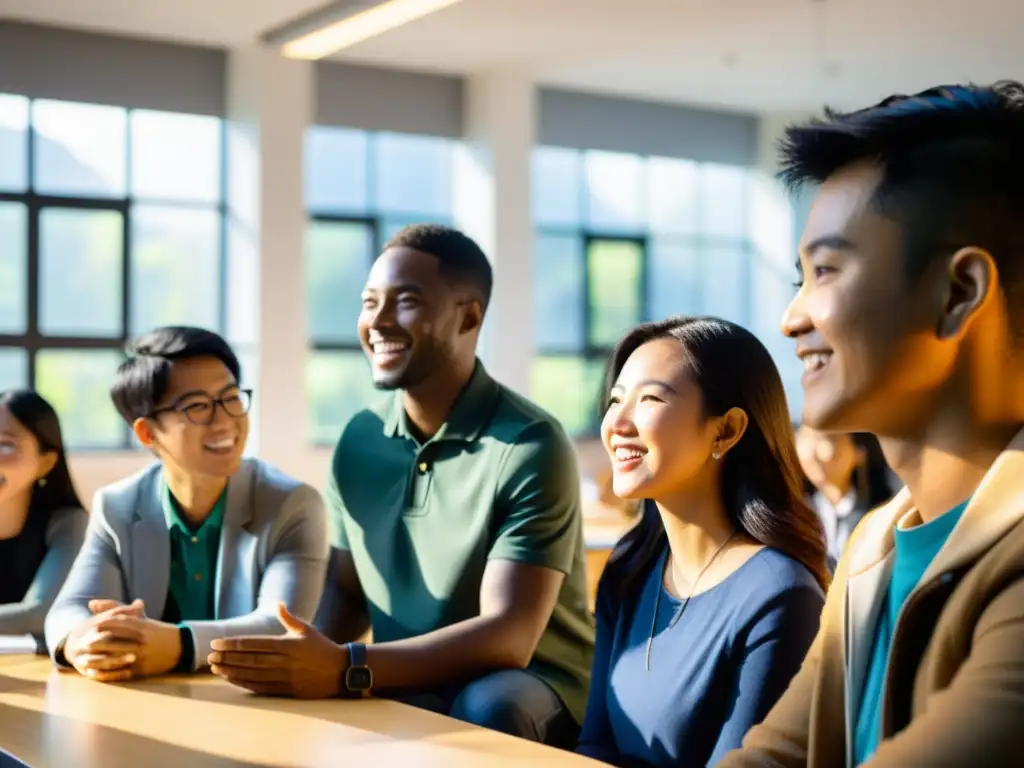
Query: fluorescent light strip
x=361, y=26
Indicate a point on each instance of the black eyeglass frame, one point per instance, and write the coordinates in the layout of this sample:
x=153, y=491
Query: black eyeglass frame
x=213, y=402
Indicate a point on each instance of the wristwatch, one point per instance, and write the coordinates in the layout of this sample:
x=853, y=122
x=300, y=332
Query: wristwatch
x=358, y=678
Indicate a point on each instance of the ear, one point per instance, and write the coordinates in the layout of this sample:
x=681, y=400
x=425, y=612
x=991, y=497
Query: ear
x=47, y=462
x=473, y=317
x=973, y=280
x=731, y=427
x=143, y=430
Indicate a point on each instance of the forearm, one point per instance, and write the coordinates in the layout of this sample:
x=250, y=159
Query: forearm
x=262, y=621
x=24, y=618
x=459, y=652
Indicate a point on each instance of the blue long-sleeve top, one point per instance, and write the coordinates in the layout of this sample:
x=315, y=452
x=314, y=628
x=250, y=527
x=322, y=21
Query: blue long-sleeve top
x=713, y=676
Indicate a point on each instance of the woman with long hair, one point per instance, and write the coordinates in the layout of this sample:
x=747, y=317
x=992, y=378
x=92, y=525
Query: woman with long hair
x=707, y=607
x=42, y=523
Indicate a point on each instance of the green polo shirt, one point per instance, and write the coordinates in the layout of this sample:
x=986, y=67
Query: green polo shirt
x=498, y=482
x=193, y=561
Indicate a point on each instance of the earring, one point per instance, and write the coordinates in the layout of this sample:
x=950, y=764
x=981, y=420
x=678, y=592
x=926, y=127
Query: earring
x=716, y=455
x=42, y=482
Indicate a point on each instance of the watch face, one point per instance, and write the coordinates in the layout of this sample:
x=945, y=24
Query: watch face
x=358, y=679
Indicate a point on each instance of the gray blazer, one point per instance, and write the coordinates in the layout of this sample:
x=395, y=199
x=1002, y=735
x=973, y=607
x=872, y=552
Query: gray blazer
x=64, y=535
x=273, y=548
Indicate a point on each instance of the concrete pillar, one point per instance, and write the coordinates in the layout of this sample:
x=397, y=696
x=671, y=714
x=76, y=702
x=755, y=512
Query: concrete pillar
x=491, y=190
x=270, y=104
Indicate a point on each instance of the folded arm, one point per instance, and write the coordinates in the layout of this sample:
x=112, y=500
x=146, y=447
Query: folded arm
x=63, y=542
x=95, y=574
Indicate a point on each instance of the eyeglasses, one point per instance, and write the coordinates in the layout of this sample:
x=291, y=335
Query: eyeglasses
x=202, y=410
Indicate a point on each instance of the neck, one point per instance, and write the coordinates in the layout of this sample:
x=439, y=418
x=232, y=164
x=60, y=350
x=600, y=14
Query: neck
x=428, y=404
x=14, y=514
x=196, y=495
x=943, y=467
x=835, y=490
x=696, y=525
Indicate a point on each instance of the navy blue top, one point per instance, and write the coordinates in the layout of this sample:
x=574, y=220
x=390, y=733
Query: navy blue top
x=713, y=676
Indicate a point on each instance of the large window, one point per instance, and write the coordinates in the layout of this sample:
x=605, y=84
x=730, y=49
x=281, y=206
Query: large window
x=360, y=189
x=111, y=223
x=621, y=239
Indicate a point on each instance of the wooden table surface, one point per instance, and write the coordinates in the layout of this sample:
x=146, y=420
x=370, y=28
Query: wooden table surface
x=52, y=719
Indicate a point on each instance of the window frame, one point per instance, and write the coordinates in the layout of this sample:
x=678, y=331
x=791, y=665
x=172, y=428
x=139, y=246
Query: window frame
x=645, y=237
x=33, y=341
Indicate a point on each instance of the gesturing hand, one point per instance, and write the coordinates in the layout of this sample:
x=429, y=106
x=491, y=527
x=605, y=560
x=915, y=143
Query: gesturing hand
x=302, y=663
x=98, y=653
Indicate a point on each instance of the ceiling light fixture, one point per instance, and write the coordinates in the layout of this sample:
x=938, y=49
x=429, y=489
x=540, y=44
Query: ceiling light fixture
x=360, y=26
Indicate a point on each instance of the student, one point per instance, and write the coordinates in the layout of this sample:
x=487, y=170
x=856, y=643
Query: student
x=707, y=607
x=202, y=543
x=847, y=477
x=910, y=323
x=42, y=522
x=457, y=524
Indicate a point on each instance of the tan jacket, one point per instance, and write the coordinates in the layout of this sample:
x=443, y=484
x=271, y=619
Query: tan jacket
x=954, y=695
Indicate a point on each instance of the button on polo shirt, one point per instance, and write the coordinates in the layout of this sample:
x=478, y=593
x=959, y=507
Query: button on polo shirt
x=193, y=561
x=497, y=482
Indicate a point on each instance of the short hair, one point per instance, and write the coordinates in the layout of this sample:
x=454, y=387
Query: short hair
x=141, y=380
x=952, y=160
x=460, y=260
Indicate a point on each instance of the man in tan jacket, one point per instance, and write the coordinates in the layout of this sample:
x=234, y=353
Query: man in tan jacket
x=910, y=323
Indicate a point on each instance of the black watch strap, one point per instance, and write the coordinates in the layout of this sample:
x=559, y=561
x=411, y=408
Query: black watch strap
x=357, y=680
x=187, y=660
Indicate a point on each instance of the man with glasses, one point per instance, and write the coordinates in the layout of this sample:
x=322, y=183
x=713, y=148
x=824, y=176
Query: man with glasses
x=200, y=545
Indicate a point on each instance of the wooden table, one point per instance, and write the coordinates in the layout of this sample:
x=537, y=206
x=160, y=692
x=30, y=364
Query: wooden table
x=53, y=719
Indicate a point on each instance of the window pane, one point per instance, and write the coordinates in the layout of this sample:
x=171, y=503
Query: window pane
x=724, y=276
x=723, y=200
x=615, y=289
x=674, y=278
x=558, y=293
x=175, y=268
x=615, y=191
x=13, y=267
x=13, y=143
x=176, y=157
x=557, y=182
x=672, y=195
x=568, y=388
x=242, y=284
x=80, y=267
x=13, y=368
x=249, y=361
x=338, y=258
x=338, y=385
x=76, y=382
x=335, y=172
x=80, y=149
x=412, y=174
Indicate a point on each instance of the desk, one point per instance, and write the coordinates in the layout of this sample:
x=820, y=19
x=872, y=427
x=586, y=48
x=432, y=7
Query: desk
x=53, y=719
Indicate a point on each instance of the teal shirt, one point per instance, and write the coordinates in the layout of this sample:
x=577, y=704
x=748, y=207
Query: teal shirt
x=915, y=549
x=193, y=561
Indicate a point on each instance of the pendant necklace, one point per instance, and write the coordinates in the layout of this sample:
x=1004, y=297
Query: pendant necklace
x=679, y=611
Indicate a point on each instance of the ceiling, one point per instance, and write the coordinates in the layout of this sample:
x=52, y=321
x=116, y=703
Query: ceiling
x=759, y=55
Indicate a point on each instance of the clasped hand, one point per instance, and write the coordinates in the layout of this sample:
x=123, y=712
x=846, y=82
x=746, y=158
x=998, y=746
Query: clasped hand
x=119, y=643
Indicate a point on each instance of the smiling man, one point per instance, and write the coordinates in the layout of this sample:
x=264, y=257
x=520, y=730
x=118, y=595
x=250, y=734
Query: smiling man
x=457, y=526
x=910, y=323
x=202, y=544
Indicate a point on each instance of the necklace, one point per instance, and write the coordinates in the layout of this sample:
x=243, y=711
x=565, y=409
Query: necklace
x=679, y=611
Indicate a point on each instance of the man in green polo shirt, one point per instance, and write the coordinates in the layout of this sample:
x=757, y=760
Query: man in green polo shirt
x=456, y=521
